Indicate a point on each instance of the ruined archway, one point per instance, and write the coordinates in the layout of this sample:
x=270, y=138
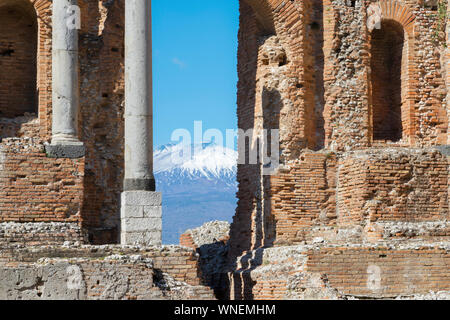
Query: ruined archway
x=18, y=58
x=392, y=76
x=388, y=78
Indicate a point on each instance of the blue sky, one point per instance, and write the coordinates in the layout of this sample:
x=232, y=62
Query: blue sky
x=194, y=65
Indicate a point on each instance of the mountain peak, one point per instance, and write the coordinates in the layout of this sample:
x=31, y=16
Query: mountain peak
x=202, y=159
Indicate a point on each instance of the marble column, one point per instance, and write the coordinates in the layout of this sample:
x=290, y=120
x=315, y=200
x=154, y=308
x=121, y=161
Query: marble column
x=65, y=77
x=141, y=212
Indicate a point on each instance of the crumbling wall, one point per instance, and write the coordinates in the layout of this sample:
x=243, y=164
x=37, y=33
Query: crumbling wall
x=25, y=126
x=100, y=126
x=40, y=234
x=277, y=274
x=343, y=272
x=275, y=91
x=104, y=272
x=409, y=185
x=116, y=277
x=346, y=110
x=209, y=233
x=36, y=188
x=180, y=263
x=362, y=148
x=211, y=243
x=101, y=120
x=332, y=191
x=303, y=196
x=383, y=272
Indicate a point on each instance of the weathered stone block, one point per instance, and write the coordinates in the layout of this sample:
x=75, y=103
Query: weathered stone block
x=132, y=212
x=69, y=151
x=141, y=224
x=152, y=212
x=141, y=198
x=146, y=238
x=141, y=218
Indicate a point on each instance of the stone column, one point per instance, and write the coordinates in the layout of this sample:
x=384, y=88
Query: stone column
x=141, y=212
x=65, y=88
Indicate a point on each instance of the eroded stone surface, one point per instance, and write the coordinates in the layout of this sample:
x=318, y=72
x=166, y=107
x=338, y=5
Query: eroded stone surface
x=105, y=273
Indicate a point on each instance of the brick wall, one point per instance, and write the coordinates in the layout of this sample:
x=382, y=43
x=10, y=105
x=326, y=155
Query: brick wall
x=181, y=264
x=400, y=185
x=118, y=277
x=18, y=44
x=262, y=104
x=36, y=188
x=347, y=94
x=383, y=272
x=100, y=121
x=187, y=241
x=342, y=272
x=303, y=196
x=323, y=195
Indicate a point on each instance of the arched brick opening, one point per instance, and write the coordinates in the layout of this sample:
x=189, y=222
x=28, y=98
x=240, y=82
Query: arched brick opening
x=18, y=58
x=398, y=21
x=263, y=12
x=388, y=80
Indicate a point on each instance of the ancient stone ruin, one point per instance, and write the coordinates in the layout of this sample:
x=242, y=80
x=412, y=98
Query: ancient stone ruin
x=357, y=208
x=359, y=205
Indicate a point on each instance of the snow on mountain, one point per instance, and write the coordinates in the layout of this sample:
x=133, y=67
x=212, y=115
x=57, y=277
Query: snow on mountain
x=208, y=159
x=198, y=188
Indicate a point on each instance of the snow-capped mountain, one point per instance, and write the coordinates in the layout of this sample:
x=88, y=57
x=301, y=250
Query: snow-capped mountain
x=198, y=183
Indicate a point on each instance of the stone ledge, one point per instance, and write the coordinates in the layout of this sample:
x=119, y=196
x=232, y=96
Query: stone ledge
x=68, y=151
x=444, y=149
x=411, y=270
x=143, y=238
x=113, y=277
x=175, y=272
x=34, y=234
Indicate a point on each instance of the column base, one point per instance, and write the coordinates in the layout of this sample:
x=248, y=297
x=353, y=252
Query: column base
x=139, y=184
x=71, y=150
x=141, y=218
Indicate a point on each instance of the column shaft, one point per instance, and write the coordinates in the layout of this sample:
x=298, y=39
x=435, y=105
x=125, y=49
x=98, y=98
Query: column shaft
x=138, y=97
x=65, y=87
x=141, y=207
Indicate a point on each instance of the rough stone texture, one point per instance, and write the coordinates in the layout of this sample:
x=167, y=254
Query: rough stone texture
x=106, y=273
x=74, y=151
x=112, y=278
x=211, y=243
x=210, y=232
x=23, y=126
x=41, y=233
x=383, y=271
